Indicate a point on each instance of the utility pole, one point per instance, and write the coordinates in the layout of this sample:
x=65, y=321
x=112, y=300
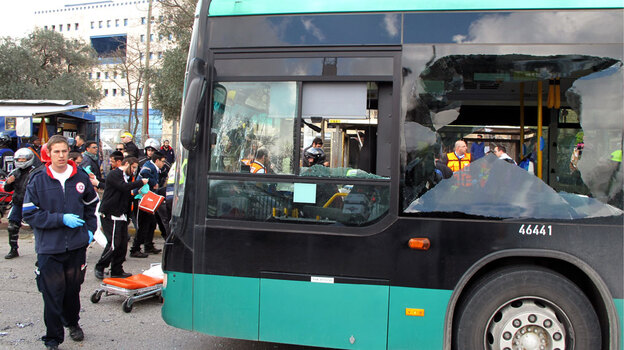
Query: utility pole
x=146, y=89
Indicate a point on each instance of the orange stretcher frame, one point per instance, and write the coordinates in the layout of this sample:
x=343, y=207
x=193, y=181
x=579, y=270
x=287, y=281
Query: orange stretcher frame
x=134, y=288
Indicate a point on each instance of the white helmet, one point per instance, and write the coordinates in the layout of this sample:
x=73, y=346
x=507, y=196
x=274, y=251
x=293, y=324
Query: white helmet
x=24, y=153
x=153, y=143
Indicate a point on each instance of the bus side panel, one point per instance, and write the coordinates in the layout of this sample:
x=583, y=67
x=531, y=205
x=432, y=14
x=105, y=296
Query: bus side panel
x=177, y=309
x=619, y=306
x=417, y=318
x=336, y=315
x=226, y=306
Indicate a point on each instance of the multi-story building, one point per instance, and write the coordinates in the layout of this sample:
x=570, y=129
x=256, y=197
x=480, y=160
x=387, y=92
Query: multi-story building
x=117, y=30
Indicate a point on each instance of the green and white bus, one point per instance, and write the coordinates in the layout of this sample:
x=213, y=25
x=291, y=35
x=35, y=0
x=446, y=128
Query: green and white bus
x=374, y=244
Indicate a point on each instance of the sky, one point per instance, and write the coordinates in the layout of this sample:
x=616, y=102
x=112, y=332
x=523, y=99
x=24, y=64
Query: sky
x=16, y=17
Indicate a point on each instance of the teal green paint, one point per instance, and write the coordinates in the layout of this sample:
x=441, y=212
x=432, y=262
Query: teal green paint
x=265, y=7
x=619, y=306
x=414, y=332
x=226, y=306
x=324, y=314
x=177, y=310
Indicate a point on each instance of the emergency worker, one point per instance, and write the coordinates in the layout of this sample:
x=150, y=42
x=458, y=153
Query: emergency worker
x=259, y=164
x=60, y=207
x=16, y=182
x=458, y=159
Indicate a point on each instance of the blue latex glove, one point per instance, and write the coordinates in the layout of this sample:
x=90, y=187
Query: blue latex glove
x=144, y=189
x=72, y=220
x=88, y=169
x=90, y=236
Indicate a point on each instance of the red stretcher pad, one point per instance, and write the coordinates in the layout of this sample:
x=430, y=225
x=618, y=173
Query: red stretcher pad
x=134, y=282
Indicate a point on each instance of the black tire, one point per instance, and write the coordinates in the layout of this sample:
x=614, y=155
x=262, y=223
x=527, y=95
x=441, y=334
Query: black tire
x=127, y=306
x=526, y=304
x=95, y=297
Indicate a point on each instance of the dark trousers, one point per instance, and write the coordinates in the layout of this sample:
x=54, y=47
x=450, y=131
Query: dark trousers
x=145, y=231
x=59, y=278
x=13, y=228
x=114, y=254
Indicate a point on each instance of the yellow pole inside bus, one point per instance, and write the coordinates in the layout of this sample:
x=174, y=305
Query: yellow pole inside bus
x=521, y=120
x=539, y=129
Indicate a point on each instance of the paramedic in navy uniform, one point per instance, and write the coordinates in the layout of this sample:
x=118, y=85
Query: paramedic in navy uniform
x=60, y=207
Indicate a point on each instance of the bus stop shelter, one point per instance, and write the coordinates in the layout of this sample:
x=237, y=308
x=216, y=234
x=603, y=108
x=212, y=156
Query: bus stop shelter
x=24, y=119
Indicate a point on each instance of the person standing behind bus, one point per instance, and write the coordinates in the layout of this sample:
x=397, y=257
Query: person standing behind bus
x=91, y=164
x=258, y=165
x=458, y=159
x=316, y=143
x=16, y=183
x=60, y=207
x=477, y=150
x=80, y=144
x=168, y=152
x=501, y=153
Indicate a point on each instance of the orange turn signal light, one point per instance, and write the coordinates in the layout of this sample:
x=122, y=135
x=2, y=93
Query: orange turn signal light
x=419, y=243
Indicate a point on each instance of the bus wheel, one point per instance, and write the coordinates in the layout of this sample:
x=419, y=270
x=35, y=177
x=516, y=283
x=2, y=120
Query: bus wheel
x=526, y=308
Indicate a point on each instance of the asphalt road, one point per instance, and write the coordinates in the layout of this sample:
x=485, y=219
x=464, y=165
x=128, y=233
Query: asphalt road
x=105, y=325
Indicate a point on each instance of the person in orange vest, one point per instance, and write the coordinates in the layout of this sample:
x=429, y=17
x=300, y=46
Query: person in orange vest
x=258, y=165
x=458, y=159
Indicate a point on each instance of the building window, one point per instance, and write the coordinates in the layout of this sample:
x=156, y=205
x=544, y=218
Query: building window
x=100, y=24
x=151, y=55
x=142, y=20
x=92, y=25
x=75, y=26
x=53, y=27
x=105, y=92
x=60, y=27
x=68, y=27
x=114, y=75
x=108, y=23
x=160, y=19
x=45, y=27
x=123, y=75
x=170, y=36
x=142, y=37
x=90, y=76
x=160, y=37
x=141, y=56
x=105, y=75
x=125, y=22
x=123, y=92
x=97, y=75
x=151, y=37
x=160, y=54
x=114, y=92
x=116, y=23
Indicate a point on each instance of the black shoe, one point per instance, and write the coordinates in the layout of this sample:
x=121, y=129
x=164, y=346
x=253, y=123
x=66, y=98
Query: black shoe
x=153, y=250
x=138, y=254
x=52, y=347
x=98, y=274
x=75, y=332
x=123, y=274
x=12, y=254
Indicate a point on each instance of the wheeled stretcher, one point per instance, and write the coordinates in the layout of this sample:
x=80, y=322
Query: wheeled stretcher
x=135, y=288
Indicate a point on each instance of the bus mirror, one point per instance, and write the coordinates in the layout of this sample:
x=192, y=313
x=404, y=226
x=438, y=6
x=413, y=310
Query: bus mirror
x=189, y=123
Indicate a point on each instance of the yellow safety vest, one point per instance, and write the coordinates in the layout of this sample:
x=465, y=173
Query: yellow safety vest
x=455, y=163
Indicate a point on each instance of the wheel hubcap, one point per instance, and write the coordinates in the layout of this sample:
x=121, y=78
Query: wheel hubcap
x=528, y=323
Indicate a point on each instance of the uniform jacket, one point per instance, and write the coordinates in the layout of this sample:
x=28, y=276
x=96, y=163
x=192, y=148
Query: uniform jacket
x=46, y=202
x=117, y=195
x=168, y=153
x=150, y=172
x=132, y=149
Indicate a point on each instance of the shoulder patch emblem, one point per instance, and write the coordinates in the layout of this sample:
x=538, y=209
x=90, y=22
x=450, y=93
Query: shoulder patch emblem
x=80, y=187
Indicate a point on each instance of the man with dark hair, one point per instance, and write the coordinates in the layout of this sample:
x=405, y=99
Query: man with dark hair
x=80, y=144
x=114, y=212
x=91, y=164
x=259, y=164
x=501, y=152
x=60, y=207
x=147, y=221
x=316, y=143
x=168, y=152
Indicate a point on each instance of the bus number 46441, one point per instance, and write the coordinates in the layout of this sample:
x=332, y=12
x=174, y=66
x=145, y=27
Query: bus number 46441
x=536, y=230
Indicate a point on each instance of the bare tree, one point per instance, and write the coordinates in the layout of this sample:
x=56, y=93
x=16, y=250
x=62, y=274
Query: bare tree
x=129, y=63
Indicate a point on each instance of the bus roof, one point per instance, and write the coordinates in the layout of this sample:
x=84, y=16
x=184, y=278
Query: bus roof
x=274, y=7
